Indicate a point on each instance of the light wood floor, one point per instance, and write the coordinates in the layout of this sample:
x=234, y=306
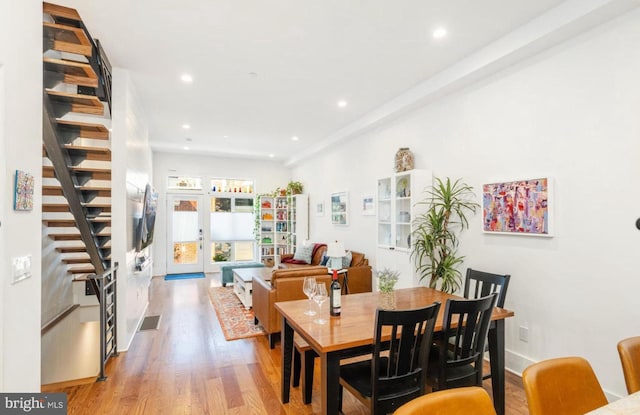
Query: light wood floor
x=187, y=367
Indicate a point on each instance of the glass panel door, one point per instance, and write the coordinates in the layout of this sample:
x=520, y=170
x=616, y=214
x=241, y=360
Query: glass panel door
x=184, y=234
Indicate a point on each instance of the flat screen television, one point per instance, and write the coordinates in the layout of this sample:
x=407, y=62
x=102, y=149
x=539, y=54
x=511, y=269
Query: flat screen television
x=147, y=221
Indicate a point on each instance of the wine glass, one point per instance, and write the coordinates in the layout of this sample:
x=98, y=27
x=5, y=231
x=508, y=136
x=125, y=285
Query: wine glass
x=320, y=297
x=309, y=289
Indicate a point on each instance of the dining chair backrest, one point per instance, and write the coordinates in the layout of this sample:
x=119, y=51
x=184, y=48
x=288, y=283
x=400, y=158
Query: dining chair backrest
x=562, y=386
x=480, y=284
x=461, y=347
x=459, y=401
x=398, y=369
x=629, y=351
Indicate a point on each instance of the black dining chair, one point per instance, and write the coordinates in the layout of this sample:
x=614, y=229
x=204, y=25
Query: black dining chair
x=396, y=372
x=460, y=345
x=480, y=284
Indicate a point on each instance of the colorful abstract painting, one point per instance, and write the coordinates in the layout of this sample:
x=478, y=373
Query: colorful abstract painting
x=23, y=198
x=519, y=207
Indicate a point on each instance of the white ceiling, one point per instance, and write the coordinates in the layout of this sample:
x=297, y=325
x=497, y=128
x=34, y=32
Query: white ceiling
x=306, y=55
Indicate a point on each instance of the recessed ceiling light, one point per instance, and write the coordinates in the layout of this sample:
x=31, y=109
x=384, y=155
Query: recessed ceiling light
x=186, y=148
x=342, y=103
x=439, y=33
x=272, y=155
x=186, y=78
x=295, y=138
x=186, y=126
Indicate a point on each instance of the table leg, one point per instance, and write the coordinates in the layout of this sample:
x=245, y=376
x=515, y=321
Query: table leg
x=286, y=345
x=497, y=360
x=330, y=369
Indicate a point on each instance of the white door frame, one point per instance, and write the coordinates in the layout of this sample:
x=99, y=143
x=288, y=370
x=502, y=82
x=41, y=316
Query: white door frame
x=185, y=268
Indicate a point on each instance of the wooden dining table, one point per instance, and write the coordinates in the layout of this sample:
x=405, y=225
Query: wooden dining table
x=353, y=331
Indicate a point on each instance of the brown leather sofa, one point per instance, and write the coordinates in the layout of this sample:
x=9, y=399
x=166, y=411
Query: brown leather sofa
x=286, y=285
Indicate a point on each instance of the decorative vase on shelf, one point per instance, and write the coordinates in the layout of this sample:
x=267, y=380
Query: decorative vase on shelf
x=404, y=159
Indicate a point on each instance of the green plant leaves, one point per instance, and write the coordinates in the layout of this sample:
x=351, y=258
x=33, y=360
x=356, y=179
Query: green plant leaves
x=435, y=235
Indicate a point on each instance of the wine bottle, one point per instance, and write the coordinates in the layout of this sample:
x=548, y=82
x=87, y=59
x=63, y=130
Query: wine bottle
x=336, y=306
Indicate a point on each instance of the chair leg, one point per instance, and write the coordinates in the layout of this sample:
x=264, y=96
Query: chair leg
x=272, y=340
x=296, y=368
x=340, y=393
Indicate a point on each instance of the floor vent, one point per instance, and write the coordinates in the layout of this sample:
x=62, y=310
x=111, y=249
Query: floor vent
x=150, y=323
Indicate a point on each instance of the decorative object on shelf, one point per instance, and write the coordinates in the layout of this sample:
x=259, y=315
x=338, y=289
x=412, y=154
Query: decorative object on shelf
x=387, y=279
x=404, y=159
x=339, y=208
x=517, y=208
x=435, y=239
x=368, y=205
x=335, y=252
x=23, y=195
x=294, y=188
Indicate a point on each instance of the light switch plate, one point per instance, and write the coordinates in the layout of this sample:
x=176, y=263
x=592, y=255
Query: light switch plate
x=20, y=268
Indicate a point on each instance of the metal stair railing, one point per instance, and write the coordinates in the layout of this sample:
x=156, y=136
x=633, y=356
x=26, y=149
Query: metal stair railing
x=107, y=287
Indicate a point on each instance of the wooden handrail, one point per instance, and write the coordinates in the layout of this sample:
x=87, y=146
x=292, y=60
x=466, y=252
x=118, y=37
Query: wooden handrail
x=57, y=319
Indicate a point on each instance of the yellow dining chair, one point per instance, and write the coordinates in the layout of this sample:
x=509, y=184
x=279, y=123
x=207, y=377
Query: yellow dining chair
x=562, y=386
x=629, y=351
x=459, y=401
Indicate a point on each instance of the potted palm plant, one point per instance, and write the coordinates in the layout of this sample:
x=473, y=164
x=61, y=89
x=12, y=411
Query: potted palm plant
x=435, y=236
x=294, y=188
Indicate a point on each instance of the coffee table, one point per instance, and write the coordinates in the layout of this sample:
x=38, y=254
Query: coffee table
x=242, y=282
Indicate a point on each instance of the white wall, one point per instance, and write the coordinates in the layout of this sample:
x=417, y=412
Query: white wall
x=570, y=113
x=131, y=170
x=20, y=149
x=267, y=176
x=3, y=191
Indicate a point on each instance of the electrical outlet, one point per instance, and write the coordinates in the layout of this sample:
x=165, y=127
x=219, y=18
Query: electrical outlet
x=524, y=334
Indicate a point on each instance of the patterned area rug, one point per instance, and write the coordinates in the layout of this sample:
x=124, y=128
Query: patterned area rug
x=235, y=320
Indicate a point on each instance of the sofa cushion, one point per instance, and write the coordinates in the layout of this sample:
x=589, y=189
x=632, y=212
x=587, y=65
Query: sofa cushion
x=346, y=260
x=357, y=259
x=303, y=254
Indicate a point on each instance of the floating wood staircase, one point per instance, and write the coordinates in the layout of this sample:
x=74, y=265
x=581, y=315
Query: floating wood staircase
x=77, y=158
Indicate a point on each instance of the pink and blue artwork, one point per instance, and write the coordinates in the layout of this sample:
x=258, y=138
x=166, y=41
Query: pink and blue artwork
x=23, y=197
x=518, y=207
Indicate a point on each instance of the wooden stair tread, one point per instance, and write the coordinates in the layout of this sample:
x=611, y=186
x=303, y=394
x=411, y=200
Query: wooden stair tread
x=78, y=73
x=67, y=38
x=72, y=222
x=86, y=260
x=72, y=236
x=97, y=173
x=60, y=11
x=57, y=191
x=87, y=130
x=71, y=249
x=82, y=270
x=86, y=104
x=92, y=149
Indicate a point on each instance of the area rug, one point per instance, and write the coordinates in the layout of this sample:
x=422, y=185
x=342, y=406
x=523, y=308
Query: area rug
x=170, y=277
x=236, y=321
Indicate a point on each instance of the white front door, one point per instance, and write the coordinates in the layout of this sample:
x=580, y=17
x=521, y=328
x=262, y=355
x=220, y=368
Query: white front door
x=185, y=238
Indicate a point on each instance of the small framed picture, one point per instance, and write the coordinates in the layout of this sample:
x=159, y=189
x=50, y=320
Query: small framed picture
x=340, y=208
x=320, y=209
x=23, y=192
x=368, y=205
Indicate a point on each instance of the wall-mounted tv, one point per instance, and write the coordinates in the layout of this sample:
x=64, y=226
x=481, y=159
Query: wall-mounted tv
x=147, y=221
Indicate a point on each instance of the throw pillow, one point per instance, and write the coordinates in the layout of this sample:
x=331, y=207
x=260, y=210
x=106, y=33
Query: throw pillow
x=346, y=260
x=303, y=253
